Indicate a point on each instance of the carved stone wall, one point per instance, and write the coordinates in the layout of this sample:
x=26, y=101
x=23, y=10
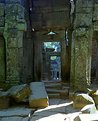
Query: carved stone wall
x=12, y=27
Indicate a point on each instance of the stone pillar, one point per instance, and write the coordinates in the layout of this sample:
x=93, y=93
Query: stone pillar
x=64, y=62
x=13, y=34
x=2, y=44
x=97, y=64
x=2, y=60
x=95, y=19
x=81, y=46
x=37, y=58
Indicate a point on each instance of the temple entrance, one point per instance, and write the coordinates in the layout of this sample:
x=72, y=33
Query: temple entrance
x=51, y=68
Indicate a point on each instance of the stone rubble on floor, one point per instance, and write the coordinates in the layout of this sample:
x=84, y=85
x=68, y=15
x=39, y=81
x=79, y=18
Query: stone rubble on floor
x=82, y=106
x=58, y=110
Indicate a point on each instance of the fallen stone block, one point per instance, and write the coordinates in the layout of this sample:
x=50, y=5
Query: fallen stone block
x=95, y=97
x=4, y=100
x=19, y=92
x=91, y=109
x=82, y=100
x=39, y=97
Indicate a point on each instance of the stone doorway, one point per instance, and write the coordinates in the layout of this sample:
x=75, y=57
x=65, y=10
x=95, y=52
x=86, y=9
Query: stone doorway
x=51, y=67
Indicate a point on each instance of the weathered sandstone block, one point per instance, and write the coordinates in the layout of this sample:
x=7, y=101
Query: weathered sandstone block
x=82, y=100
x=4, y=100
x=39, y=97
x=20, y=92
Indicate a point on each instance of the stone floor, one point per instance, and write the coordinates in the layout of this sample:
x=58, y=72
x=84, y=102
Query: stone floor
x=55, y=112
x=58, y=110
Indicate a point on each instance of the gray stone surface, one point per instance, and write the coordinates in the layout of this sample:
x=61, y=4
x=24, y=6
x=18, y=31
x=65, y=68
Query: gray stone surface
x=18, y=111
x=81, y=46
x=15, y=24
x=81, y=62
x=96, y=26
x=83, y=19
x=38, y=97
x=12, y=64
x=2, y=21
x=2, y=9
x=86, y=3
x=11, y=119
x=95, y=14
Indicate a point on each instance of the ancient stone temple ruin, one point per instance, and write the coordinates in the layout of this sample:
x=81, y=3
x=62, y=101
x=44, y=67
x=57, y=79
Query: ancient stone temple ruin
x=49, y=41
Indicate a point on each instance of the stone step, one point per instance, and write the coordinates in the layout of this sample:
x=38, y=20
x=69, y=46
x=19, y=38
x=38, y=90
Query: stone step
x=56, y=95
x=56, y=91
x=65, y=87
x=54, y=85
x=51, y=81
x=63, y=94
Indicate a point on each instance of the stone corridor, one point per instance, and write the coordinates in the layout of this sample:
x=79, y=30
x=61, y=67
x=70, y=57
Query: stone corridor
x=54, y=42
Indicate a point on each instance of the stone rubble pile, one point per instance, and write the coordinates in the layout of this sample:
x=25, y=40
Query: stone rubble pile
x=84, y=107
x=35, y=95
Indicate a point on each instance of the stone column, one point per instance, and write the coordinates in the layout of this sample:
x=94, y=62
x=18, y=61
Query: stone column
x=13, y=34
x=2, y=44
x=64, y=62
x=37, y=58
x=97, y=64
x=81, y=46
x=95, y=19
